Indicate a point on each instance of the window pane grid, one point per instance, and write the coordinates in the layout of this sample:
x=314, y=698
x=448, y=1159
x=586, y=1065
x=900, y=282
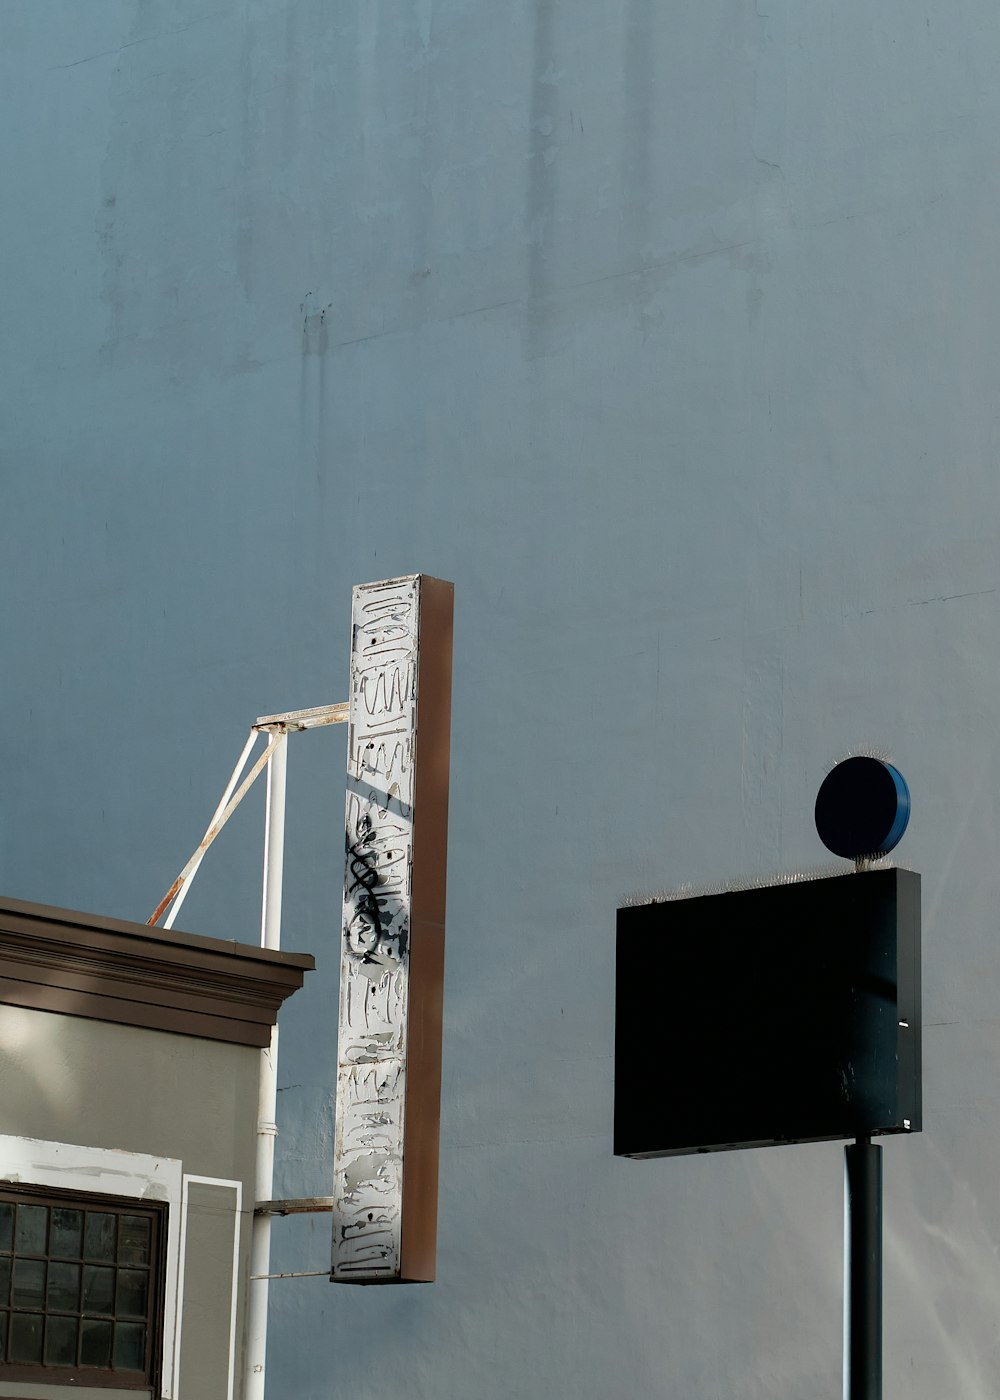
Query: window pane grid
x=78, y=1291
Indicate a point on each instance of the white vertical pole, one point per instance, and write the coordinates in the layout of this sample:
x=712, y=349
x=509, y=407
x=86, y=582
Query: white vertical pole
x=274, y=846
x=267, y=1131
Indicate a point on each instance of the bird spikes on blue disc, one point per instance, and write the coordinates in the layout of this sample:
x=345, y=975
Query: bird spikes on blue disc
x=862, y=808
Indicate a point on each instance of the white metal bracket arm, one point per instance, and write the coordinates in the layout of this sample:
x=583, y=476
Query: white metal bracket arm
x=302, y=1205
x=304, y=719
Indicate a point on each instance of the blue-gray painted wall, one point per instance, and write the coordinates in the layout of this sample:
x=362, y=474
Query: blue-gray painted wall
x=670, y=334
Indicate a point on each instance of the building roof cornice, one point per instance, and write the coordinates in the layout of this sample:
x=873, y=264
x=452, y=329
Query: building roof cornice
x=113, y=970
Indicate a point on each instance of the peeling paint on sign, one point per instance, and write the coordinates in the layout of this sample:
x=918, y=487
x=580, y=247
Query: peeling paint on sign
x=388, y=1073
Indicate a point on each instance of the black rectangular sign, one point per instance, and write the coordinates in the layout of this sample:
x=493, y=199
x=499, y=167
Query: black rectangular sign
x=784, y=1014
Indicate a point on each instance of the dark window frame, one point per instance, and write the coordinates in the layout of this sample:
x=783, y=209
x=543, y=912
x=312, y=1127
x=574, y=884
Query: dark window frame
x=79, y=1375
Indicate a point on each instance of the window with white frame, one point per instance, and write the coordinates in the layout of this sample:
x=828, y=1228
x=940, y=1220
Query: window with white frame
x=87, y=1285
x=81, y=1288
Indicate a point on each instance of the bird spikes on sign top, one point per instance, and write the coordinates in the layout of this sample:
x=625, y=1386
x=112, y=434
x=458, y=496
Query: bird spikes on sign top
x=861, y=751
x=745, y=882
x=756, y=882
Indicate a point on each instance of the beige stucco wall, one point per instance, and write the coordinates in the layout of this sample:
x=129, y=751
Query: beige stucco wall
x=101, y=1085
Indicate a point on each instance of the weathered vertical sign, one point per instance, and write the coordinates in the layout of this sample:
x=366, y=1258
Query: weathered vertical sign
x=392, y=951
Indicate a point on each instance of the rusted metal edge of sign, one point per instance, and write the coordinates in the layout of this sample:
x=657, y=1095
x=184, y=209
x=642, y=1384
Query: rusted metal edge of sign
x=392, y=948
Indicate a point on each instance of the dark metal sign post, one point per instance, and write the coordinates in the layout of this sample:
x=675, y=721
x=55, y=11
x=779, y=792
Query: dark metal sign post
x=863, y=1271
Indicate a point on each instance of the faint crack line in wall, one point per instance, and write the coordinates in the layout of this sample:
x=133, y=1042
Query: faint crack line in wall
x=555, y=291
x=163, y=33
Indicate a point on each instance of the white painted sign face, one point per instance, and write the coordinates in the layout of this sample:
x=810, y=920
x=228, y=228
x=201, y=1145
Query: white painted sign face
x=388, y=1072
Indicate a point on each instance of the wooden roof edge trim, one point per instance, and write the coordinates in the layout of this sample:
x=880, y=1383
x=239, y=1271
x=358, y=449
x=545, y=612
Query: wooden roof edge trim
x=173, y=1007
x=147, y=961
x=258, y=1001
x=130, y=964
x=179, y=980
x=145, y=1015
x=89, y=930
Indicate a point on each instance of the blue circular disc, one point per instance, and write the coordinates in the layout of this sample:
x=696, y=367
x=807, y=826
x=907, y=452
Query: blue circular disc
x=862, y=808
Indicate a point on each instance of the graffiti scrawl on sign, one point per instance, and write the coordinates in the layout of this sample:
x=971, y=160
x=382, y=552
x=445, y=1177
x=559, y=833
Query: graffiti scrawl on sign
x=392, y=951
